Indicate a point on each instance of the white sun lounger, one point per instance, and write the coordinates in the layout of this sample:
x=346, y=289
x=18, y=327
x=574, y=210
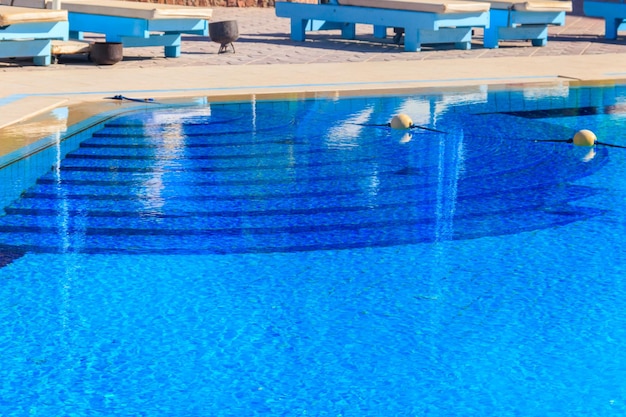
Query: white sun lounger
x=137, y=24
x=613, y=13
x=423, y=21
x=524, y=20
x=28, y=32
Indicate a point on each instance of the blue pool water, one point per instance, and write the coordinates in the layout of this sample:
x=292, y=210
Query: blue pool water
x=298, y=257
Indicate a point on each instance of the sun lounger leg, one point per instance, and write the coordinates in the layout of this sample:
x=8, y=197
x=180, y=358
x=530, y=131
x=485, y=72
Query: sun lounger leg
x=298, y=29
x=490, y=37
x=610, y=27
x=172, y=51
x=42, y=60
x=380, y=32
x=412, y=40
x=348, y=31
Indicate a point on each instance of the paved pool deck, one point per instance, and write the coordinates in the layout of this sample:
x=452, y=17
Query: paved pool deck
x=266, y=61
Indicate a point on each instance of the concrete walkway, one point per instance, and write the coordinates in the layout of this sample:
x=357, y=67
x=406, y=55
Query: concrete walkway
x=267, y=61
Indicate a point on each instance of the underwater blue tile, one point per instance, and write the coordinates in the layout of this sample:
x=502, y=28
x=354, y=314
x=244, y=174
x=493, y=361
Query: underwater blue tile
x=609, y=96
x=503, y=101
x=597, y=96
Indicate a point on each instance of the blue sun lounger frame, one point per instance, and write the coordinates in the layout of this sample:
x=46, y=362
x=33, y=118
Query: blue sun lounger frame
x=138, y=32
x=511, y=24
x=419, y=27
x=31, y=39
x=614, y=15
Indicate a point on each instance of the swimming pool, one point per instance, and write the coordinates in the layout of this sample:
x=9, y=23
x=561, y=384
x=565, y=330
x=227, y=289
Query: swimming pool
x=299, y=257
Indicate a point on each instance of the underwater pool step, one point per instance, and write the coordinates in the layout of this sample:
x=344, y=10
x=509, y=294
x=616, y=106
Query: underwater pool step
x=82, y=239
x=291, y=198
x=144, y=218
x=201, y=141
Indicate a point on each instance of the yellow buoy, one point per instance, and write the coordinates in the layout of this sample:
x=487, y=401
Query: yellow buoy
x=401, y=122
x=585, y=138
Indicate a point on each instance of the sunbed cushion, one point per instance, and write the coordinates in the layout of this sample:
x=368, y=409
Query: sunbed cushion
x=11, y=15
x=532, y=5
x=544, y=6
x=429, y=6
x=134, y=9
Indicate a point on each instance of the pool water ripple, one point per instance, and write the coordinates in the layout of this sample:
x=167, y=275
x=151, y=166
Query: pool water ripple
x=282, y=258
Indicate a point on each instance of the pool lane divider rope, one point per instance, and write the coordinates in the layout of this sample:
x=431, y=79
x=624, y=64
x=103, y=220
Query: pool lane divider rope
x=572, y=141
x=412, y=126
x=401, y=122
x=585, y=138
